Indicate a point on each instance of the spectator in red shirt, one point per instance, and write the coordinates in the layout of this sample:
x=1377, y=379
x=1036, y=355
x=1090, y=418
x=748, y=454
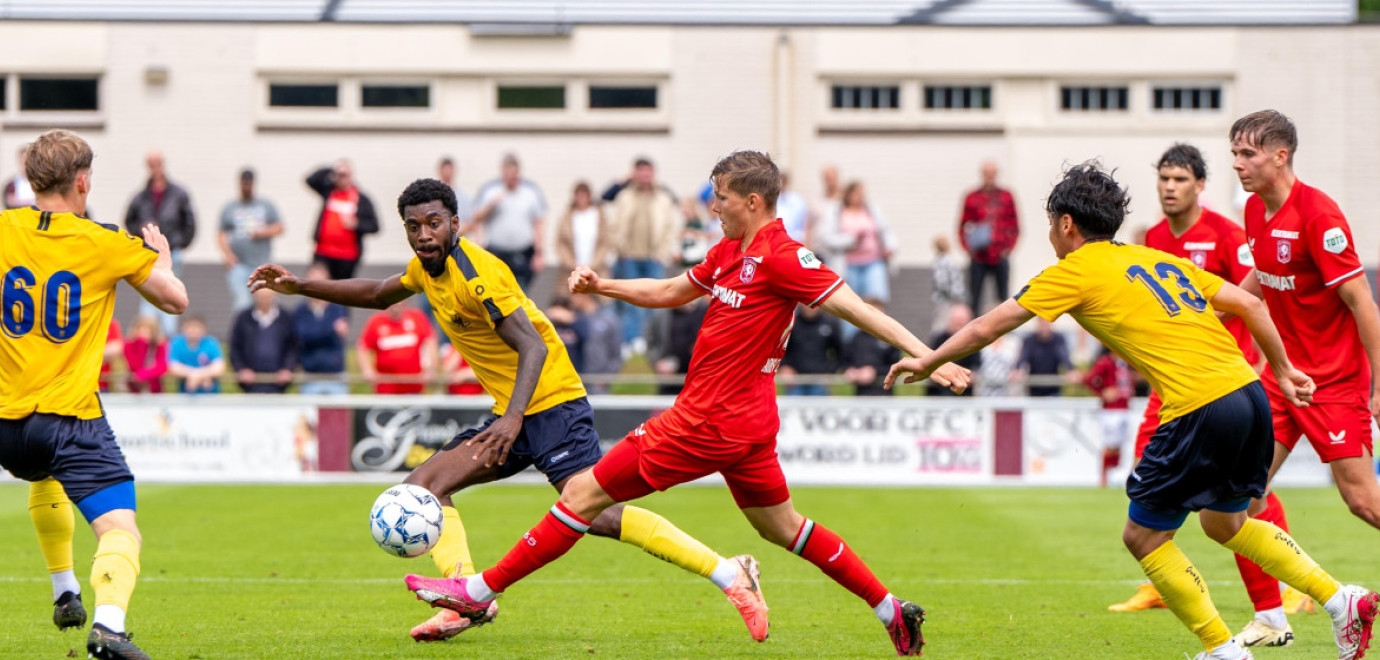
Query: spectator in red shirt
x=114, y=348
x=146, y=353
x=398, y=341
x=347, y=215
x=988, y=230
x=460, y=378
x=1110, y=379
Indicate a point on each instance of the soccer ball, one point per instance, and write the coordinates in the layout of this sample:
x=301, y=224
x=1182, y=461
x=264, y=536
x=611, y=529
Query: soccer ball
x=406, y=520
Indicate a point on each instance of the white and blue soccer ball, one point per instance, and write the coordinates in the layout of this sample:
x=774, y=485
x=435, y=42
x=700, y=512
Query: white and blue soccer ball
x=406, y=520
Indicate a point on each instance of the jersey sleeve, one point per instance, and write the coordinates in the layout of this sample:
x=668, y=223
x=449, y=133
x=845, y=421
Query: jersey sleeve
x=493, y=288
x=1236, y=253
x=412, y=277
x=797, y=274
x=703, y=275
x=1052, y=293
x=1328, y=237
x=126, y=256
x=1207, y=283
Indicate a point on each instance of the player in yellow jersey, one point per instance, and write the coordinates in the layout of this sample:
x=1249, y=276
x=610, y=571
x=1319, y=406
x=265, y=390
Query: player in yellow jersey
x=60, y=270
x=1213, y=448
x=541, y=415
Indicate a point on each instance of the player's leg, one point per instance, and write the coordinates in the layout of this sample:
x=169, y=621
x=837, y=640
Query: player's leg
x=1146, y=596
x=51, y=513
x=115, y=569
x=1149, y=536
x=450, y=470
x=1270, y=625
x=1355, y=477
x=759, y=488
x=1353, y=609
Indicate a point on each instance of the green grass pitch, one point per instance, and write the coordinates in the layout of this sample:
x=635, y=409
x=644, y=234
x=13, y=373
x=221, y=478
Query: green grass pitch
x=290, y=572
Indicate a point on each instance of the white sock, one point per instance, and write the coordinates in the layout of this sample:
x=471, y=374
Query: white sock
x=725, y=573
x=477, y=589
x=1338, y=605
x=110, y=616
x=1274, y=617
x=1229, y=651
x=63, y=582
x=886, y=610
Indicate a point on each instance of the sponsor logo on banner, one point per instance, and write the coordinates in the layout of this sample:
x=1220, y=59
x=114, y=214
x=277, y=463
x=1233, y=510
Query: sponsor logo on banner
x=1283, y=251
x=210, y=442
x=401, y=439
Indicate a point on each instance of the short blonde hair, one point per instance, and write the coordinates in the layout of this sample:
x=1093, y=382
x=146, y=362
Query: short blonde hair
x=55, y=159
x=747, y=172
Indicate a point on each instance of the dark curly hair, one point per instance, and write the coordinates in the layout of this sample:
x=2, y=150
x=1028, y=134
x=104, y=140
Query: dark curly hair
x=422, y=191
x=1186, y=156
x=1095, y=201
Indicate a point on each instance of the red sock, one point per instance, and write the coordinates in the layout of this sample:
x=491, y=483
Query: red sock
x=1263, y=589
x=826, y=550
x=552, y=537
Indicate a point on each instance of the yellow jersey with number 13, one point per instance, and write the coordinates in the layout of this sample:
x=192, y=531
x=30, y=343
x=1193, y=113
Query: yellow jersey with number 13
x=60, y=272
x=1152, y=309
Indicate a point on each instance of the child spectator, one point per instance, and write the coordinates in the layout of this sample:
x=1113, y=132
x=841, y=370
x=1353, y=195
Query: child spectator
x=146, y=353
x=195, y=359
x=948, y=282
x=460, y=378
x=114, y=348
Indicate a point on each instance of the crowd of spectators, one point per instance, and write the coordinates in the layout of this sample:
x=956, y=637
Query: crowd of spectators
x=637, y=227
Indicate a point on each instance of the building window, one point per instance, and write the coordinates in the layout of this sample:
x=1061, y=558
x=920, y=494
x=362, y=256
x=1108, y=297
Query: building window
x=1188, y=98
x=1095, y=99
x=4, y=90
x=303, y=96
x=884, y=97
x=602, y=96
x=395, y=96
x=513, y=97
x=58, y=94
x=958, y=97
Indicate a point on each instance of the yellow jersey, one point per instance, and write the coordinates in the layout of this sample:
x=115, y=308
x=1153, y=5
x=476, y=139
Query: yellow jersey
x=1152, y=309
x=60, y=272
x=469, y=298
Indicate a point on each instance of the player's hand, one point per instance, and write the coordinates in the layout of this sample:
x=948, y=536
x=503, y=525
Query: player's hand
x=912, y=365
x=583, y=280
x=275, y=277
x=156, y=240
x=1296, y=386
x=496, y=440
x=952, y=376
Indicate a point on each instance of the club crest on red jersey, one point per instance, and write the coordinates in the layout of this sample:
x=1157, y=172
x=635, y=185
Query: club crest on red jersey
x=749, y=269
x=1198, y=257
x=1284, y=251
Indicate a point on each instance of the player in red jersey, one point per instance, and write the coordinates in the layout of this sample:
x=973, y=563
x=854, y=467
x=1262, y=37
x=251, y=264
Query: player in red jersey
x=1217, y=245
x=725, y=420
x=1307, y=271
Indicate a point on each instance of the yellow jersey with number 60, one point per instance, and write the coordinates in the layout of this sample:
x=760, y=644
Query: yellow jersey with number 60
x=470, y=298
x=60, y=272
x=1152, y=309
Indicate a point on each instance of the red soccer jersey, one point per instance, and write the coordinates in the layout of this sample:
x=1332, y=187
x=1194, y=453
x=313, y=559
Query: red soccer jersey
x=1218, y=246
x=397, y=347
x=1301, y=255
x=732, y=378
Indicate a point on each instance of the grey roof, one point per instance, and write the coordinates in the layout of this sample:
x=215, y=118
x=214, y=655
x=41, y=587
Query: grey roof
x=708, y=12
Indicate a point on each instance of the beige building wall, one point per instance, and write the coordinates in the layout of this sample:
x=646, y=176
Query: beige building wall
x=719, y=89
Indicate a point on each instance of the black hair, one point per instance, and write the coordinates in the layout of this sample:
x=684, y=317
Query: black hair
x=1266, y=128
x=1089, y=195
x=422, y=191
x=1186, y=156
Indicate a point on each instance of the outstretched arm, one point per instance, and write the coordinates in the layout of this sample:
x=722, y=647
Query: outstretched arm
x=669, y=292
x=845, y=304
x=970, y=339
x=517, y=331
x=1294, y=384
x=358, y=292
x=162, y=288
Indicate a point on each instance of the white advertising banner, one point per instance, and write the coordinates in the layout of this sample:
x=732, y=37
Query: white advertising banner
x=1063, y=446
x=194, y=441
x=893, y=442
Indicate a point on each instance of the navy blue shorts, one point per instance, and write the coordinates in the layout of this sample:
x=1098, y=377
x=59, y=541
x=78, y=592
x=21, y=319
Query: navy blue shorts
x=558, y=441
x=1216, y=457
x=80, y=453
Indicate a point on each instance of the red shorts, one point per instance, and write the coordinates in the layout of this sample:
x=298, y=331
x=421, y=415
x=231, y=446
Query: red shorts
x=664, y=452
x=1336, y=429
x=1149, y=424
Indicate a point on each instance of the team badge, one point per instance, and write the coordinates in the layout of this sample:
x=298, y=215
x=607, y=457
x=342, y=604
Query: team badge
x=1283, y=251
x=1198, y=257
x=749, y=269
